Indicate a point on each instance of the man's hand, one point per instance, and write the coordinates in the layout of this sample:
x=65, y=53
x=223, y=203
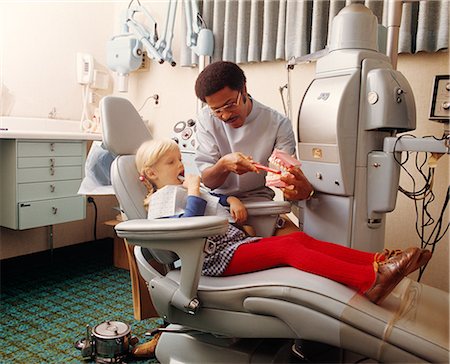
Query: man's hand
x=215, y=176
x=238, y=163
x=298, y=187
x=237, y=209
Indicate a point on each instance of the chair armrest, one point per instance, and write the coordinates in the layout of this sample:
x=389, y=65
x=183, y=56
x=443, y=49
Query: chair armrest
x=263, y=215
x=170, y=229
x=186, y=237
x=261, y=208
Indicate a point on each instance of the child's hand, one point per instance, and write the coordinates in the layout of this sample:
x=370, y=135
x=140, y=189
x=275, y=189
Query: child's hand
x=192, y=184
x=237, y=209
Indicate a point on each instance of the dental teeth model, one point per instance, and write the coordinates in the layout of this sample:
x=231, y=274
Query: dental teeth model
x=280, y=161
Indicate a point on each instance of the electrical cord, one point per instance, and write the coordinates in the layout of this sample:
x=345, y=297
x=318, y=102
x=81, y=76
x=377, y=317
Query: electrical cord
x=423, y=198
x=91, y=200
x=154, y=97
x=437, y=231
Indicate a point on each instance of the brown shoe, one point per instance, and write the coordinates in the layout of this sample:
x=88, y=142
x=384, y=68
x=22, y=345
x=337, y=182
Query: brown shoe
x=391, y=272
x=147, y=350
x=424, y=257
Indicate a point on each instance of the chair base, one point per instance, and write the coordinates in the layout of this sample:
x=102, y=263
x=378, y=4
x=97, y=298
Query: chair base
x=198, y=347
x=205, y=348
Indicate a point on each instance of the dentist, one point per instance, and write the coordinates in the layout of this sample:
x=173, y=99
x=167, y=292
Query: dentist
x=233, y=130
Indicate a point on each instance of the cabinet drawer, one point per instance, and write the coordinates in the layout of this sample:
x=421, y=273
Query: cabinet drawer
x=33, y=162
x=48, y=174
x=47, y=190
x=49, y=212
x=39, y=149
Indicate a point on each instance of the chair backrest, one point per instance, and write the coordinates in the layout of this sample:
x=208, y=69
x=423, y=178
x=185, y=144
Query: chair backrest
x=123, y=132
x=122, y=126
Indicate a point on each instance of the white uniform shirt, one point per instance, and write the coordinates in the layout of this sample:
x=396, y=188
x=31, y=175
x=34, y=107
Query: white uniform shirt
x=264, y=130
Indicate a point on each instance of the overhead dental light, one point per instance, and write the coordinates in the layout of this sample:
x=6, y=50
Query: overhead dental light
x=125, y=51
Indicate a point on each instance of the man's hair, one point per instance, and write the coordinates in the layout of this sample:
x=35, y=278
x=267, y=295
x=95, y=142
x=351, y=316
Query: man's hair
x=218, y=75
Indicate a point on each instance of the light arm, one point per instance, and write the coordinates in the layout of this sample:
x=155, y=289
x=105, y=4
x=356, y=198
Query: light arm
x=143, y=34
x=164, y=45
x=198, y=37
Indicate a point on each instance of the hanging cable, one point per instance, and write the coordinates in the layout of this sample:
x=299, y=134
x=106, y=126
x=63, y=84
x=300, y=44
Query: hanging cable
x=92, y=201
x=423, y=198
x=283, y=101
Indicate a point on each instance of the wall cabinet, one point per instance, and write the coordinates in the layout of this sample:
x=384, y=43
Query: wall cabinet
x=39, y=182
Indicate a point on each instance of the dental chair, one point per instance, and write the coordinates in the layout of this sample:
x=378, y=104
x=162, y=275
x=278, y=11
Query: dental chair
x=123, y=133
x=255, y=317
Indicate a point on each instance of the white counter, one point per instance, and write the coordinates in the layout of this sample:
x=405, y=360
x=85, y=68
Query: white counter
x=14, y=127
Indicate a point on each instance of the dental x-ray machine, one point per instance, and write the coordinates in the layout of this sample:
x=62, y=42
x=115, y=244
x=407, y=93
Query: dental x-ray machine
x=126, y=51
x=347, y=124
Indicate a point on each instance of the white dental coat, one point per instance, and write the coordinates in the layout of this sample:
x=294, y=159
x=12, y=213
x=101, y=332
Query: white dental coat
x=264, y=130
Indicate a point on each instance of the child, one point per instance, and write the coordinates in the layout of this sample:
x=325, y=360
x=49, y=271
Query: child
x=373, y=274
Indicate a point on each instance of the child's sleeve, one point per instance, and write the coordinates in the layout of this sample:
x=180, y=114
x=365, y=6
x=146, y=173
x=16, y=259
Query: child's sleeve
x=195, y=206
x=222, y=198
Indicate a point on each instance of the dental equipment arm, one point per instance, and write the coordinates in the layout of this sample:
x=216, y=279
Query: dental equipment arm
x=145, y=36
x=198, y=37
x=125, y=51
x=384, y=170
x=164, y=45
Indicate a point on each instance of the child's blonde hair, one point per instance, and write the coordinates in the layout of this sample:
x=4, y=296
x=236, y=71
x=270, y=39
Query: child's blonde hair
x=149, y=153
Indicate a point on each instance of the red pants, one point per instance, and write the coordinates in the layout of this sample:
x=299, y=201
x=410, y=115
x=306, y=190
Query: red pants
x=351, y=267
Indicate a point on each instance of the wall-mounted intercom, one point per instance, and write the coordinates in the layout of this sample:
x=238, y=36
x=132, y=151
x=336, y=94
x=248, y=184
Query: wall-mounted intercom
x=440, y=99
x=85, y=68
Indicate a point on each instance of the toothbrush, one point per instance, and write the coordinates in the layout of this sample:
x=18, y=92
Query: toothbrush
x=264, y=168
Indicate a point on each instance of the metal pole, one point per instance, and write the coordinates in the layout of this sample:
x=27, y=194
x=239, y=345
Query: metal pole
x=393, y=28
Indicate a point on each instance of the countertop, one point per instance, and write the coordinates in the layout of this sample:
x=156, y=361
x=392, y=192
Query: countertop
x=13, y=127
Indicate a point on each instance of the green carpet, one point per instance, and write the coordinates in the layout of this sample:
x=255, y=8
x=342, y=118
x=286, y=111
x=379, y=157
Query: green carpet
x=45, y=308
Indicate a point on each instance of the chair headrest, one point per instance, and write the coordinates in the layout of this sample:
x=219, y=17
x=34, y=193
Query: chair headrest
x=123, y=128
x=129, y=190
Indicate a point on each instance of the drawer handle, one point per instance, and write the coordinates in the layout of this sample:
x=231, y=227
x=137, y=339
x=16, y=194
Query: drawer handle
x=54, y=210
x=52, y=171
x=52, y=188
x=52, y=147
x=52, y=162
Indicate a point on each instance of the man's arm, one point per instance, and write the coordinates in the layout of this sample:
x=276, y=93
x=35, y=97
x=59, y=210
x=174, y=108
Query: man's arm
x=285, y=139
x=215, y=176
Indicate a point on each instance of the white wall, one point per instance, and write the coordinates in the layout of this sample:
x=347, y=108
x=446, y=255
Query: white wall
x=39, y=45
